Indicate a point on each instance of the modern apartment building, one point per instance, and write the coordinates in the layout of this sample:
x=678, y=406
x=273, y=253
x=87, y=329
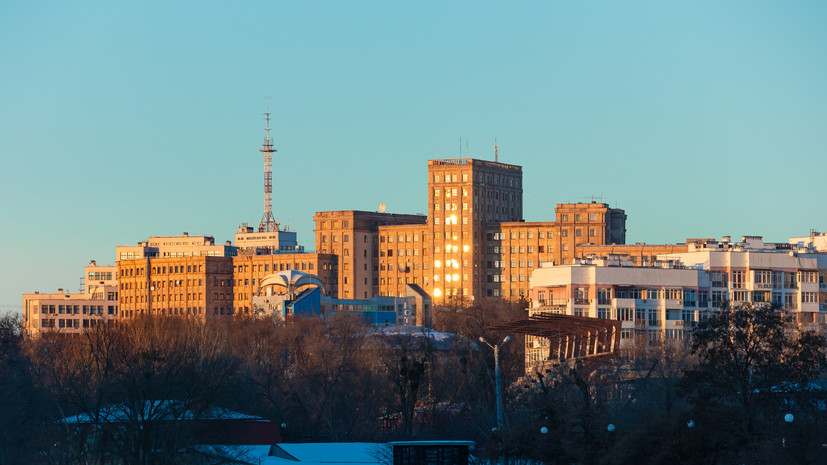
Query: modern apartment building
x=664, y=299
x=72, y=313
x=473, y=242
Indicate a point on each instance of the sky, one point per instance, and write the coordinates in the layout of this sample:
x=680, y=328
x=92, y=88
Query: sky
x=121, y=120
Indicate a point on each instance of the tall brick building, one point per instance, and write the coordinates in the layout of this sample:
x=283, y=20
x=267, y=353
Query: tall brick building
x=473, y=242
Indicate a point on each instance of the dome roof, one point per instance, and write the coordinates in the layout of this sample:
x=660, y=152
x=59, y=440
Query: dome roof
x=291, y=280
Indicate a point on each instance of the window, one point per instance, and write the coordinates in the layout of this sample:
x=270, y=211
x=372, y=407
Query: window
x=761, y=296
x=763, y=279
x=564, y=233
x=789, y=280
x=738, y=279
x=592, y=217
x=689, y=298
x=808, y=277
x=604, y=296
x=718, y=278
x=654, y=318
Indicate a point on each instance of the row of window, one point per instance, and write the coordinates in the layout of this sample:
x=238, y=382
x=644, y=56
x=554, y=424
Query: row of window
x=326, y=224
x=100, y=275
x=495, y=179
x=513, y=263
x=403, y=237
x=76, y=309
x=578, y=217
x=502, y=293
x=763, y=278
x=69, y=323
x=500, y=278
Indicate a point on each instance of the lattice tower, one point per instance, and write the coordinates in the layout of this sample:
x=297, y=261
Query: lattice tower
x=268, y=222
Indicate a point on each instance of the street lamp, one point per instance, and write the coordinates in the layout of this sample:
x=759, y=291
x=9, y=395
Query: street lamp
x=496, y=349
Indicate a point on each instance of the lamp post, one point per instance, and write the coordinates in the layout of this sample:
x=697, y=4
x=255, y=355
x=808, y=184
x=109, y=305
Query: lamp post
x=496, y=348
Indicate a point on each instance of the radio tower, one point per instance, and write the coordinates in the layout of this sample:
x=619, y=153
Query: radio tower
x=268, y=223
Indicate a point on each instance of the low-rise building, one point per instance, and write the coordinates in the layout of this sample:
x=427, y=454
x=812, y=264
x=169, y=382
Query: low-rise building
x=665, y=298
x=66, y=312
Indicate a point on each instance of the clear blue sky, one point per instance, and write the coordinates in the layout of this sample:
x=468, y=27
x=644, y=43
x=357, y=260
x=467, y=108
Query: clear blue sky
x=120, y=120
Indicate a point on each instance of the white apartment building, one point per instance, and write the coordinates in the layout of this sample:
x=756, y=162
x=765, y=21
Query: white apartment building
x=816, y=240
x=665, y=299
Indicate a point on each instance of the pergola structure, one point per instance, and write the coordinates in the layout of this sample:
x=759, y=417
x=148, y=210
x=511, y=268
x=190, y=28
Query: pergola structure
x=570, y=337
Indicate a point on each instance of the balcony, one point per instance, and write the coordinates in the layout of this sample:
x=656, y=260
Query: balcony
x=553, y=309
x=578, y=301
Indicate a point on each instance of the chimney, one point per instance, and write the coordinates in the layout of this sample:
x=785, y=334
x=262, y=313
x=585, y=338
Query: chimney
x=93, y=263
x=186, y=234
x=60, y=290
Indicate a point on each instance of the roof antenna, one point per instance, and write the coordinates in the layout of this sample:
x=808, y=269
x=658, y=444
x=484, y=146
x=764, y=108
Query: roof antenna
x=496, y=151
x=268, y=222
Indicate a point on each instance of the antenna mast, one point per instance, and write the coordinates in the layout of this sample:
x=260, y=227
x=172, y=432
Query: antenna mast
x=268, y=223
x=496, y=151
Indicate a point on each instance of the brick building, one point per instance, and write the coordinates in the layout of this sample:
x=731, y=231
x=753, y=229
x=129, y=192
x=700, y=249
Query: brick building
x=473, y=242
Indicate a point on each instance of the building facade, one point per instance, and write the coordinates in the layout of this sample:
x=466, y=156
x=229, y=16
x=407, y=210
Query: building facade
x=665, y=298
x=354, y=238
x=205, y=287
x=73, y=313
x=175, y=247
x=472, y=243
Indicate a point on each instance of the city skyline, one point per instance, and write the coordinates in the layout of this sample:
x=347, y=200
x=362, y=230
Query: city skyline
x=698, y=120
